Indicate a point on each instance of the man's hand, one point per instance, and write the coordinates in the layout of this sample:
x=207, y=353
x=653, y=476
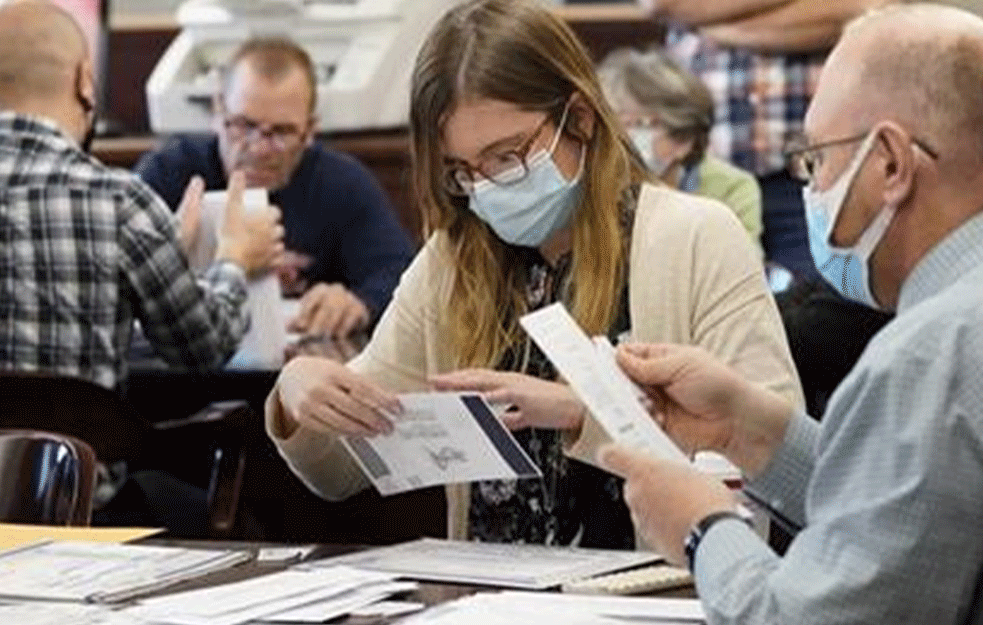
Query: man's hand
x=666, y=499
x=330, y=309
x=189, y=215
x=253, y=239
x=292, y=281
x=704, y=405
x=538, y=403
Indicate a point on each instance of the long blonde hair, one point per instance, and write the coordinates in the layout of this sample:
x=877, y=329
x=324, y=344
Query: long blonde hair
x=517, y=51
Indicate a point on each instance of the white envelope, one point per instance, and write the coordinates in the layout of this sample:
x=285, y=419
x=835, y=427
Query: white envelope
x=263, y=345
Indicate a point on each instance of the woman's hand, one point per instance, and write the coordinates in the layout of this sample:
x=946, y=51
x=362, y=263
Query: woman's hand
x=536, y=403
x=324, y=395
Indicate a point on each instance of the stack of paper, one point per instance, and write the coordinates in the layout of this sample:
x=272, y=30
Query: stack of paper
x=312, y=595
x=493, y=564
x=526, y=608
x=101, y=572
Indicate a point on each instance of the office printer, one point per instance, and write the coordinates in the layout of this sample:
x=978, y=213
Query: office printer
x=363, y=53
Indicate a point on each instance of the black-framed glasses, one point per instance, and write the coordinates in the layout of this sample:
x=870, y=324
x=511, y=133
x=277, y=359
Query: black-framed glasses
x=805, y=159
x=280, y=136
x=503, y=168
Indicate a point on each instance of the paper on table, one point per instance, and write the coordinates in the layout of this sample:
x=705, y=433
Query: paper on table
x=493, y=564
x=440, y=438
x=16, y=534
x=37, y=613
x=263, y=345
x=595, y=378
x=102, y=572
x=388, y=609
x=256, y=598
x=341, y=604
x=515, y=608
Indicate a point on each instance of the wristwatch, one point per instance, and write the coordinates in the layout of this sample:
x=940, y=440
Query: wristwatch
x=701, y=528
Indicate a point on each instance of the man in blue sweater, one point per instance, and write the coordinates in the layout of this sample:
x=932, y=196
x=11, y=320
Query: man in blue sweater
x=346, y=249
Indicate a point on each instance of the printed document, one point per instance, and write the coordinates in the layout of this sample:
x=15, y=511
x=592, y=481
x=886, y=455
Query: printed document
x=590, y=369
x=263, y=345
x=527, y=608
x=103, y=572
x=493, y=564
x=440, y=438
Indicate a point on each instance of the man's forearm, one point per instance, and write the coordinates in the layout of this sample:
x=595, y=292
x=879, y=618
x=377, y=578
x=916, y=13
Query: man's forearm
x=708, y=12
x=796, y=26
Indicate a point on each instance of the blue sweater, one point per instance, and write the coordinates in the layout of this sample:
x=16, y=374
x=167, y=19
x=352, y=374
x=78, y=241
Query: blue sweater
x=333, y=210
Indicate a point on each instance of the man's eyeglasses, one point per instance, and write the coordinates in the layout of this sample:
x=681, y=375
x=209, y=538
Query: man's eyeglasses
x=504, y=168
x=804, y=160
x=280, y=136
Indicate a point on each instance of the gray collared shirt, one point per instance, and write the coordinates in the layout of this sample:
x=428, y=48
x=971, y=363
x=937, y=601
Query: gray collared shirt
x=889, y=487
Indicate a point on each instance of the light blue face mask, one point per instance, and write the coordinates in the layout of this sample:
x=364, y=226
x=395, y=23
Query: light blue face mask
x=846, y=269
x=530, y=210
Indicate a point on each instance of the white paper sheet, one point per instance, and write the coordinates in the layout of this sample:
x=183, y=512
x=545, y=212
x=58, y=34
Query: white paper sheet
x=60, y=614
x=590, y=369
x=263, y=345
x=514, y=608
x=504, y=565
x=440, y=438
x=256, y=598
x=339, y=605
x=103, y=572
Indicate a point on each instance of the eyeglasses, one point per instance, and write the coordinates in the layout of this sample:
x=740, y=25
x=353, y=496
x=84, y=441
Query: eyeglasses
x=504, y=168
x=805, y=160
x=280, y=136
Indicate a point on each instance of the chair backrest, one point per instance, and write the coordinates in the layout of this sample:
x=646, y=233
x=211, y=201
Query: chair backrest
x=45, y=478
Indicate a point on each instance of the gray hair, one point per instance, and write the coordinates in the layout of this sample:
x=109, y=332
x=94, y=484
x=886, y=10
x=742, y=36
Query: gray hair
x=677, y=99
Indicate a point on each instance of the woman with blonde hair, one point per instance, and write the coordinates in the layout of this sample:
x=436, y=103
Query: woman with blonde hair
x=532, y=194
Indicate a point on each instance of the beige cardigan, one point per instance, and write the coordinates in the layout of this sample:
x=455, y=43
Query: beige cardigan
x=694, y=278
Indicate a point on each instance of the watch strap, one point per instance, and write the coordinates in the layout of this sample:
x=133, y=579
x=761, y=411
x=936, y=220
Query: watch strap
x=700, y=529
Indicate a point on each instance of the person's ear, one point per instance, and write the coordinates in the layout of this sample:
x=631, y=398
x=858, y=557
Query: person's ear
x=85, y=83
x=582, y=118
x=896, y=160
x=312, y=126
x=680, y=148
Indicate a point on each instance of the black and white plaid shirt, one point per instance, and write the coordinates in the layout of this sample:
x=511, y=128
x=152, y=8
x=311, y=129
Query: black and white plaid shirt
x=84, y=250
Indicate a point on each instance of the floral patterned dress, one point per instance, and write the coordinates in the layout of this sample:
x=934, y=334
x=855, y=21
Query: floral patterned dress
x=573, y=503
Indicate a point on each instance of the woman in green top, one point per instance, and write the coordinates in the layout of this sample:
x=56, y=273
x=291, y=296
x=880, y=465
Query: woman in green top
x=668, y=113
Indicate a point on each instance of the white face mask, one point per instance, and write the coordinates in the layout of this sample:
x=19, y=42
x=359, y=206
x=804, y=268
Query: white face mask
x=846, y=269
x=529, y=211
x=644, y=139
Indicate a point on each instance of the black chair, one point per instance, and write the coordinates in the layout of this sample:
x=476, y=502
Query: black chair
x=45, y=478
x=116, y=433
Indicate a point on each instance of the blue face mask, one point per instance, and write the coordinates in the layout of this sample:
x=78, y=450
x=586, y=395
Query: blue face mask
x=528, y=211
x=846, y=269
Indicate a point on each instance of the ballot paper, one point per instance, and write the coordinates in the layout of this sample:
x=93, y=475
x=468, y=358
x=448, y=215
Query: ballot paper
x=344, y=603
x=526, y=608
x=263, y=345
x=440, y=438
x=103, y=572
x=504, y=565
x=589, y=367
x=37, y=613
x=265, y=597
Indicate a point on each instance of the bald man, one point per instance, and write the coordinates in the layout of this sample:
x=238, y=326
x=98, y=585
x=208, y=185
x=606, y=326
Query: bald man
x=887, y=492
x=85, y=249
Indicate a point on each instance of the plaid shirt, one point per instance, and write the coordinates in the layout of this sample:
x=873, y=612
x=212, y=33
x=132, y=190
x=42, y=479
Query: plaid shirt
x=760, y=98
x=85, y=249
